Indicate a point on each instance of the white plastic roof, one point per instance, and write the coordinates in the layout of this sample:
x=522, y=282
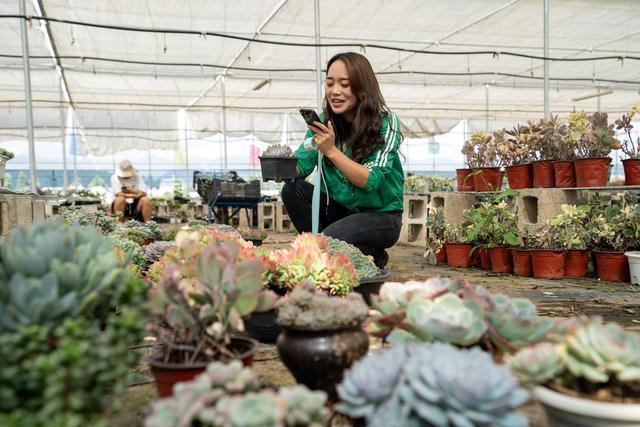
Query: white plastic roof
x=119, y=103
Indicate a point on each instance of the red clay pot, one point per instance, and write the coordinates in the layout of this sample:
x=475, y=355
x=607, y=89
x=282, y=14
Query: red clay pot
x=521, y=262
x=631, y=171
x=592, y=172
x=520, y=176
x=441, y=256
x=612, y=266
x=485, y=258
x=168, y=374
x=464, y=183
x=576, y=263
x=543, y=175
x=487, y=179
x=458, y=254
x=547, y=264
x=501, y=261
x=565, y=174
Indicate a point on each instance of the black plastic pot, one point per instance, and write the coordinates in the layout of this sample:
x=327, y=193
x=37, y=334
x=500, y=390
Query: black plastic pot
x=278, y=168
x=263, y=326
x=371, y=285
x=256, y=242
x=317, y=358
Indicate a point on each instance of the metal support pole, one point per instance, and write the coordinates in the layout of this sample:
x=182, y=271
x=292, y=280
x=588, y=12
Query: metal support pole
x=315, y=200
x=546, y=61
x=598, y=99
x=65, y=176
x=149, y=163
x=224, y=120
x=27, y=92
x=486, y=107
x=186, y=153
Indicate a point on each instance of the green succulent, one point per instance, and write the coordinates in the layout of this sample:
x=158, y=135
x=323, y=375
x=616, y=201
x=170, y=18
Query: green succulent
x=517, y=321
x=364, y=265
x=431, y=384
x=537, y=364
x=6, y=154
x=132, y=249
x=447, y=318
x=598, y=351
x=98, y=219
x=145, y=230
x=278, y=150
x=228, y=395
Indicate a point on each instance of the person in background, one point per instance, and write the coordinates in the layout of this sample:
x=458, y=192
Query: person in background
x=130, y=194
x=361, y=196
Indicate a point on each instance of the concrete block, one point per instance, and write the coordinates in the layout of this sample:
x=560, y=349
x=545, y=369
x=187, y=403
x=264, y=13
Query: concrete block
x=454, y=205
x=267, y=216
x=415, y=207
x=8, y=214
x=283, y=222
x=413, y=233
x=24, y=210
x=38, y=207
x=538, y=205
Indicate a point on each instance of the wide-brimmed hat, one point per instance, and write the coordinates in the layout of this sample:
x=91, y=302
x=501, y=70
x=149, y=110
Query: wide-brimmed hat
x=125, y=169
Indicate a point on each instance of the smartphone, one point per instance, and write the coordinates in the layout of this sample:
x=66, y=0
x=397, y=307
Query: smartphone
x=309, y=116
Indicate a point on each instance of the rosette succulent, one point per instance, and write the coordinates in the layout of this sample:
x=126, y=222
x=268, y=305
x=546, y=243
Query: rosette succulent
x=278, y=150
x=230, y=396
x=364, y=265
x=431, y=385
x=537, y=364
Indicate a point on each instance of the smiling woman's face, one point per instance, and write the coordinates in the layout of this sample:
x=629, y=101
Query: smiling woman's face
x=337, y=89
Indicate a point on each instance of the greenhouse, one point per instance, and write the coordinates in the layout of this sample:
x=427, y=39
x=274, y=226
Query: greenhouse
x=287, y=213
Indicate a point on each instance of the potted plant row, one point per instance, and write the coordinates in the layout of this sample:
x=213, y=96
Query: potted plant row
x=5, y=156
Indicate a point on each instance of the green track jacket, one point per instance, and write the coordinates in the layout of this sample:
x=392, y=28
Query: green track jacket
x=384, y=188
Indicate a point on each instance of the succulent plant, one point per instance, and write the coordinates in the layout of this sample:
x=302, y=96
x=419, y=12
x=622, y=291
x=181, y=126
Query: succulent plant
x=198, y=312
x=6, y=154
x=251, y=233
x=98, y=219
x=517, y=321
x=278, y=150
x=147, y=231
x=307, y=307
x=433, y=385
x=537, y=364
x=228, y=395
x=598, y=351
x=364, y=265
x=156, y=250
x=132, y=250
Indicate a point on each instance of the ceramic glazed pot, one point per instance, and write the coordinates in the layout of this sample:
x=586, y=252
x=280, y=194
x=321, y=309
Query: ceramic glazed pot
x=317, y=358
x=168, y=374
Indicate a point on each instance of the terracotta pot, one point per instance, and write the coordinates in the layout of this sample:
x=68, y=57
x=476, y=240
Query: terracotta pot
x=520, y=176
x=543, y=175
x=317, y=359
x=371, y=285
x=592, y=172
x=547, y=264
x=612, y=266
x=565, y=174
x=521, y=262
x=168, y=374
x=576, y=263
x=458, y=254
x=631, y=171
x=263, y=326
x=486, y=179
x=501, y=261
x=441, y=256
x=464, y=183
x=485, y=258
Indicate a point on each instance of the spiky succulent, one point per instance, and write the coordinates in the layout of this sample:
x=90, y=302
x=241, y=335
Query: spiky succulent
x=307, y=307
x=278, y=150
x=132, y=250
x=517, y=321
x=364, y=265
x=431, y=384
x=599, y=351
x=51, y=272
x=537, y=364
x=228, y=395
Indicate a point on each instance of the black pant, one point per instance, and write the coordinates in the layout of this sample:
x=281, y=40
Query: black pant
x=370, y=232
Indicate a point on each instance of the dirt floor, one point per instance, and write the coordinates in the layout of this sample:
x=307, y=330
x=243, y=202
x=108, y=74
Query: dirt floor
x=618, y=302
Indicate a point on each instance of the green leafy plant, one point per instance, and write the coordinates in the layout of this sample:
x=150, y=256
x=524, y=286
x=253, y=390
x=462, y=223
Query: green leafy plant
x=572, y=227
x=456, y=233
x=307, y=307
x=492, y=222
x=589, y=357
x=230, y=395
x=615, y=222
x=424, y=385
x=5, y=154
x=196, y=312
x=278, y=150
x=69, y=311
x=434, y=236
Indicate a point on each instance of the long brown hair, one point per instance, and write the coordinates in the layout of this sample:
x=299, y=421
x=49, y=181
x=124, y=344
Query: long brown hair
x=364, y=135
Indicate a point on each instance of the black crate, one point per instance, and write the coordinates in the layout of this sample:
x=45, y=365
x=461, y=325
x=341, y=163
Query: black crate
x=225, y=187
